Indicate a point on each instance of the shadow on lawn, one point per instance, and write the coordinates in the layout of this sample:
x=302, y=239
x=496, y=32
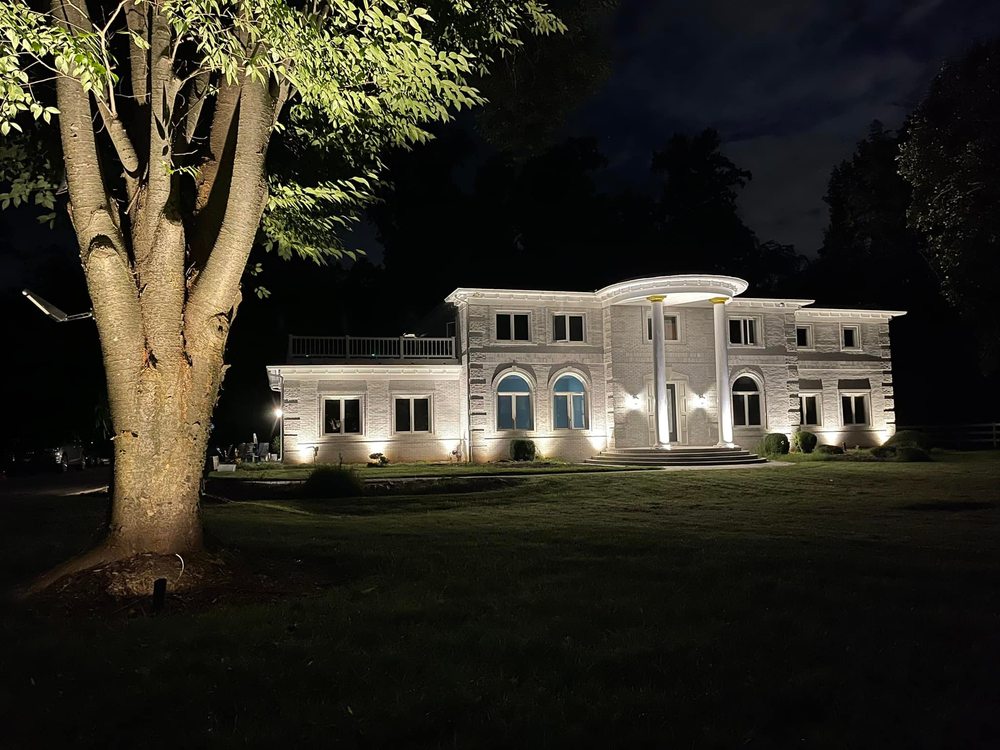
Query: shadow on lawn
x=951, y=507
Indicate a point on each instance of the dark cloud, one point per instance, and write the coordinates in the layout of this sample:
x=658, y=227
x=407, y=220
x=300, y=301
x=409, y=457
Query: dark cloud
x=791, y=85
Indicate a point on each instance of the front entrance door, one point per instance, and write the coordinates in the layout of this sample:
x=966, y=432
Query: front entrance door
x=671, y=405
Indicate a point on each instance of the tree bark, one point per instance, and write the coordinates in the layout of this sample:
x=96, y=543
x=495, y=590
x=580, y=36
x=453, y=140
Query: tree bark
x=163, y=327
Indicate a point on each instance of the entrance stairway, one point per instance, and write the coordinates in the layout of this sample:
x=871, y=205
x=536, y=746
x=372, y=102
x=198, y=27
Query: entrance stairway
x=679, y=456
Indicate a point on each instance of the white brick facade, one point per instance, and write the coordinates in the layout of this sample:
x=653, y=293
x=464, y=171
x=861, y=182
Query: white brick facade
x=614, y=361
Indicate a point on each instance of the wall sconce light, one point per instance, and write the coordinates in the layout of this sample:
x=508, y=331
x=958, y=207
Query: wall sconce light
x=700, y=402
x=633, y=402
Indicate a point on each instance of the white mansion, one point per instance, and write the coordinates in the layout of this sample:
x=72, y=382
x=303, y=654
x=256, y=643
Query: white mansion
x=657, y=364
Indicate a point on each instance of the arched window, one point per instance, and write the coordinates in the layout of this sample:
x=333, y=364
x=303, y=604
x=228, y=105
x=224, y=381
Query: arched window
x=746, y=402
x=569, y=404
x=514, y=404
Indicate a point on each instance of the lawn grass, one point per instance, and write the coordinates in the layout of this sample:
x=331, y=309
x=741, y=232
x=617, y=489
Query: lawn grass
x=826, y=604
x=411, y=469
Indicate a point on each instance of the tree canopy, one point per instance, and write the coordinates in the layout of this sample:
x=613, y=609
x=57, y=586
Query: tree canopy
x=949, y=159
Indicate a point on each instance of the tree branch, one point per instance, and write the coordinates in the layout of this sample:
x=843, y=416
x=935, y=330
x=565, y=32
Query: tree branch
x=137, y=18
x=215, y=289
x=119, y=138
x=102, y=246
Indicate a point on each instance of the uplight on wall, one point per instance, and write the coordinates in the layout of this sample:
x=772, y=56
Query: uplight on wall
x=700, y=402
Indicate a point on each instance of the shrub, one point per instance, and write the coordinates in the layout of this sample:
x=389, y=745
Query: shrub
x=329, y=481
x=830, y=450
x=911, y=453
x=774, y=444
x=804, y=441
x=911, y=439
x=884, y=451
x=522, y=450
x=378, y=459
x=276, y=444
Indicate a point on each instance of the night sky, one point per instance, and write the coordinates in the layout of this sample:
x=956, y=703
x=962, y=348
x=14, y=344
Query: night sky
x=790, y=85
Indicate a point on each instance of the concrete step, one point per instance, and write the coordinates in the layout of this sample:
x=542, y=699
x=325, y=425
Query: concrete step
x=679, y=456
x=599, y=461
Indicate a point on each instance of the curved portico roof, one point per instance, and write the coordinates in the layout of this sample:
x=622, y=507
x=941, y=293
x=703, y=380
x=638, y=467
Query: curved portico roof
x=676, y=290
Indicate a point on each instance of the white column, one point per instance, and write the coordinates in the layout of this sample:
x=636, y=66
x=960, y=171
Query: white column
x=722, y=372
x=660, y=375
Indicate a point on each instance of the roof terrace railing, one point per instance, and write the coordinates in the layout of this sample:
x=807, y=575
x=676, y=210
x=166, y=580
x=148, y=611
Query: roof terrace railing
x=370, y=347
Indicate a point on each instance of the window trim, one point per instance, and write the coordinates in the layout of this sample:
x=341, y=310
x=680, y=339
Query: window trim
x=586, y=401
x=810, y=339
x=818, y=395
x=759, y=328
x=866, y=395
x=532, y=388
x=647, y=326
x=363, y=414
x=857, y=337
x=760, y=395
x=567, y=314
x=393, y=397
x=513, y=341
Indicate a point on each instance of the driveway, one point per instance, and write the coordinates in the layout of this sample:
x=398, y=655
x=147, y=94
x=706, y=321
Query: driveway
x=55, y=484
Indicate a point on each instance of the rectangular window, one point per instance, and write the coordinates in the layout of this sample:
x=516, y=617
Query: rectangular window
x=671, y=328
x=809, y=409
x=854, y=408
x=850, y=337
x=514, y=412
x=804, y=337
x=567, y=327
x=342, y=416
x=743, y=331
x=569, y=411
x=413, y=414
x=512, y=327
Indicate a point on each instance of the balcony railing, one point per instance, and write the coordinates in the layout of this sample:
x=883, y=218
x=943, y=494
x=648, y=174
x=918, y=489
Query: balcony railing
x=370, y=347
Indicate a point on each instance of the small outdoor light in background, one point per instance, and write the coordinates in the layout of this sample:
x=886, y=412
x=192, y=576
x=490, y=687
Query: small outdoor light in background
x=51, y=311
x=278, y=413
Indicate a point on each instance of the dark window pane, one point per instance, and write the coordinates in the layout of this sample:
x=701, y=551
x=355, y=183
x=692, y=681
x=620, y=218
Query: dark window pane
x=745, y=384
x=505, y=412
x=753, y=410
x=568, y=384
x=649, y=329
x=812, y=416
x=735, y=332
x=523, y=413
x=421, y=415
x=579, y=412
x=670, y=332
x=751, y=327
x=850, y=338
x=802, y=336
x=576, y=328
x=560, y=407
x=521, y=327
x=845, y=404
x=331, y=419
x=559, y=328
x=859, y=410
x=514, y=384
x=402, y=415
x=503, y=327
x=352, y=415
x=739, y=410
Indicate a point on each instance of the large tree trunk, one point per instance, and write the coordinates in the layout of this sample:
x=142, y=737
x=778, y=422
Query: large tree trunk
x=163, y=301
